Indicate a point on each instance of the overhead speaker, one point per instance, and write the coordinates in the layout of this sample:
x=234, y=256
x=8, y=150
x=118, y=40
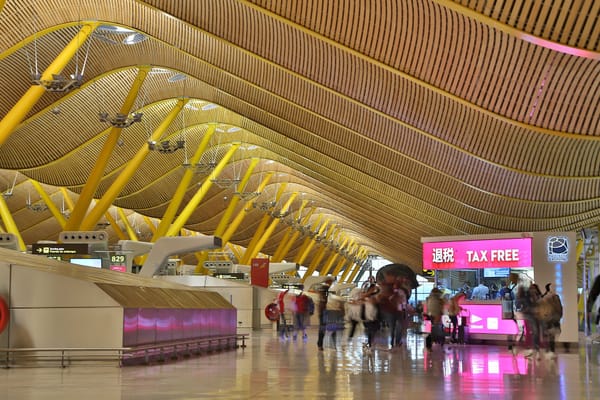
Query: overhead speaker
x=9, y=241
x=83, y=236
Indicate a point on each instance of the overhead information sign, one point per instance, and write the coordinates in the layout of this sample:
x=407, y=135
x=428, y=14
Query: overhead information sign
x=59, y=249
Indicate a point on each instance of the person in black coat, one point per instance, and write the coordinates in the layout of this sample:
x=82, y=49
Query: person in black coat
x=594, y=293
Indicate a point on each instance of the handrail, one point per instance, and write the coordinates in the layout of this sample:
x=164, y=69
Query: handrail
x=185, y=345
x=63, y=351
x=122, y=353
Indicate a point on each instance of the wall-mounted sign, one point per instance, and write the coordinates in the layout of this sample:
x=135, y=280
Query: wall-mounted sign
x=59, y=249
x=259, y=272
x=557, y=248
x=473, y=254
x=117, y=259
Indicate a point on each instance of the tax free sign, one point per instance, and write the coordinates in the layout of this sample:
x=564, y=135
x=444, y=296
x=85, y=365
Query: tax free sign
x=470, y=254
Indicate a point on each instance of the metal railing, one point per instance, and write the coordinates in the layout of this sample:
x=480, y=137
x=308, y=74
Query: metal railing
x=10, y=357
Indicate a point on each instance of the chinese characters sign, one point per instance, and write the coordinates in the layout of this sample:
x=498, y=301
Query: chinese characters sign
x=469, y=254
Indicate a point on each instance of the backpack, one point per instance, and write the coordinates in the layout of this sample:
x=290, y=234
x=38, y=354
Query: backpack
x=302, y=303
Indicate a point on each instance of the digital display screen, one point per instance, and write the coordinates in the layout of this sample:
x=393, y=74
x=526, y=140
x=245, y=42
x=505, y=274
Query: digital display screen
x=87, y=262
x=496, y=272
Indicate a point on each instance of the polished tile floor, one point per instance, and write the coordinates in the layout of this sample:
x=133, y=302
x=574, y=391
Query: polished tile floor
x=270, y=368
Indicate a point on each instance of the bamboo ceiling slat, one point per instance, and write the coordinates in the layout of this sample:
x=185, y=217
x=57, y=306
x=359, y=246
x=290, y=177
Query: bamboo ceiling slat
x=427, y=119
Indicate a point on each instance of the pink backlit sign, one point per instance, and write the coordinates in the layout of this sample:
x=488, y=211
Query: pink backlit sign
x=487, y=318
x=470, y=254
x=482, y=318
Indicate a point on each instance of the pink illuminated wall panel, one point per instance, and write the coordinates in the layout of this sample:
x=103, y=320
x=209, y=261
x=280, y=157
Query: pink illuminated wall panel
x=148, y=326
x=487, y=318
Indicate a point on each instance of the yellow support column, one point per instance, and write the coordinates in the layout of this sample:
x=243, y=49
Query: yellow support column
x=307, y=239
x=260, y=230
x=346, y=273
x=309, y=242
x=245, y=210
x=349, y=262
x=9, y=223
x=118, y=231
x=325, y=248
x=263, y=239
x=237, y=251
x=338, y=269
x=295, y=235
x=15, y=116
x=150, y=224
x=130, y=169
x=89, y=190
x=120, y=234
x=128, y=227
x=245, y=260
x=358, y=266
x=340, y=264
x=279, y=254
x=49, y=203
x=313, y=266
x=67, y=198
x=182, y=188
x=202, y=256
x=329, y=263
x=316, y=261
x=195, y=201
x=331, y=260
x=236, y=199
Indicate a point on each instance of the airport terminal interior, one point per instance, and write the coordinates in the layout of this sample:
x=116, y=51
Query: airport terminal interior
x=273, y=369
x=174, y=174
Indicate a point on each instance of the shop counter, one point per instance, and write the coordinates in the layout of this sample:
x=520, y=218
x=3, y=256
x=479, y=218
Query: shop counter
x=483, y=320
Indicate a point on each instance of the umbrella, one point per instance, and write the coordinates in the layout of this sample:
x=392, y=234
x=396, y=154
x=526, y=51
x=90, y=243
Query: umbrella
x=391, y=272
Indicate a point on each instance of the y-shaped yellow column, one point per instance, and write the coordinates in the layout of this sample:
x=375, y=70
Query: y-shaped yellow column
x=89, y=190
x=15, y=116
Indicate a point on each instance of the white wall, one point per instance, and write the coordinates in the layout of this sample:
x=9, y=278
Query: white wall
x=49, y=310
x=250, y=301
x=4, y=292
x=563, y=276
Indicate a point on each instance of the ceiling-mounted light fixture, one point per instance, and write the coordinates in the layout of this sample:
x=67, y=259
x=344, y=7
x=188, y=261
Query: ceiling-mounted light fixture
x=209, y=106
x=225, y=183
x=166, y=146
x=177, y=77
x=9, y=191
x=58, y=83
x=120, y=120
x=247, y=195
x=38, y=206
x=280, y=214
x=135, y=38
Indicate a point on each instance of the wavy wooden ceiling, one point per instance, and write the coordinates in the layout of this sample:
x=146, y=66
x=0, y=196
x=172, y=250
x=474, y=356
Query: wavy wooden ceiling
x=395, y=119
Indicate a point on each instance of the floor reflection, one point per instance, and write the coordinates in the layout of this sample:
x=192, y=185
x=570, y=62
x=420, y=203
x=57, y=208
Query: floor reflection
x=273, y=369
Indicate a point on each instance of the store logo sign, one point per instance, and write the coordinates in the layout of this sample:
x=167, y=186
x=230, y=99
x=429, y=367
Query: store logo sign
x=557, y=248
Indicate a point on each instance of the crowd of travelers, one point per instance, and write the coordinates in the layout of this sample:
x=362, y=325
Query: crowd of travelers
x=383, y=310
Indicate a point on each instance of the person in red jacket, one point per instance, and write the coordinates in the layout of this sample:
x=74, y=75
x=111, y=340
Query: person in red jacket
x=301, y=314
